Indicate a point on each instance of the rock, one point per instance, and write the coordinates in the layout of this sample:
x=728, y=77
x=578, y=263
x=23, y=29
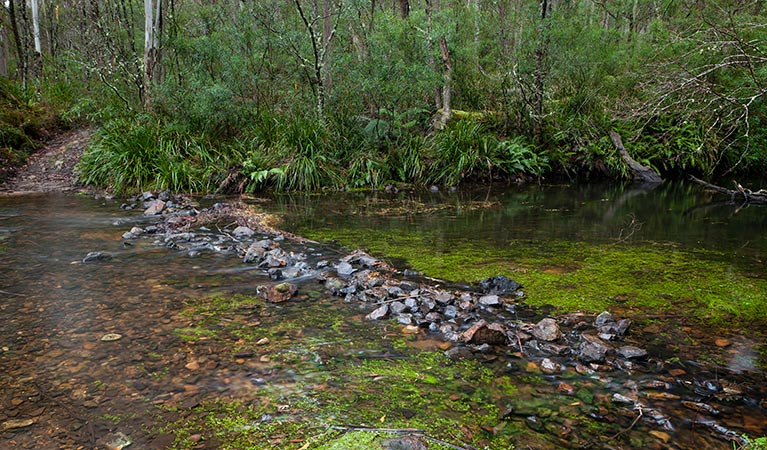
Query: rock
x=17, y=423
x=96, y=256
x=243, y=232
x=254, y=254
x=280, y=292
x=450, y=312
x=116, y=441
x=499, y=285
x=603, y=319
x=444, y=297
x=550, y=367
x=397, y=307
x=459, y=353
x=592, y=349
x=554, y=349
x=405, y=443
x=110, y=337
x=546, y=330
x=156, y=207
x=663, y=436
x=485, y=333
x=619, y=398
x=405, y=319
x=489, y=300
x=344, y=269
x=379, y=313
x=631, y=352
x=133, y=233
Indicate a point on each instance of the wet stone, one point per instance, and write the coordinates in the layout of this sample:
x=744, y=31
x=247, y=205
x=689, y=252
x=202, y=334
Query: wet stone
x=489, y=300
x=96, y=256
x=344, y=269
x=411, y=303
x=450, y=312
x=550, y=367
x=592, y=349
x=154, y=208
x=397, y=307
x=499, y=285
x=379, y=313
x=603, y=319
x=546, y=330
x=405, y=319
x=632, y=352
x=243, y=232
x=444, y=297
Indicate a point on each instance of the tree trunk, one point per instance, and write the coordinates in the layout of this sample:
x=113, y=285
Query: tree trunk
x=430, y=52
x=21, y=54
x=447, y=77
x=541, y=71
x=38, y=56
x=149, y=52
x=404, y=8
x=640, y=172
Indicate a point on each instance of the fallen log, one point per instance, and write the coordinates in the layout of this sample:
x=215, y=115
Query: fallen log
x=640, y=172
x=748, y=196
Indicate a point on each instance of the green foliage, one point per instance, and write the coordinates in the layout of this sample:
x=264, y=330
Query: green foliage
x=137, y=154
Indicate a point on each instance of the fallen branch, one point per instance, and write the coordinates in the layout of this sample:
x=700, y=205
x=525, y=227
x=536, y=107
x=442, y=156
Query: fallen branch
x=616, y=435
x=758, y=198
x=640, y=172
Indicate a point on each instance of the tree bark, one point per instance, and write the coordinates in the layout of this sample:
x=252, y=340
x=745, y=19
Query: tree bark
x=38, y=56
x=447, y=77
x=404, y=8
x=640, y=172
x=758, y=198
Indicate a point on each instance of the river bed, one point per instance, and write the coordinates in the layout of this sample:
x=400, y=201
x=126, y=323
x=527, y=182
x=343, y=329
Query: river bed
x=201, y=361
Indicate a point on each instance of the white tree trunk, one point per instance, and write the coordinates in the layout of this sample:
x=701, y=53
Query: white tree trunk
x=149, y=53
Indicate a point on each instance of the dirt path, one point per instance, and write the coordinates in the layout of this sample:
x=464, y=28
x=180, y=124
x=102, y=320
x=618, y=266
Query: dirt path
x=52, y=168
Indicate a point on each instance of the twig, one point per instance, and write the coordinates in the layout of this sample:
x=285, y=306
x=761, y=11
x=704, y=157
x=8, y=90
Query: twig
x=639, y=408
x=12, y=293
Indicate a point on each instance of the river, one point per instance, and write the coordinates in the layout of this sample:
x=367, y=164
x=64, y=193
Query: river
x=170, y=348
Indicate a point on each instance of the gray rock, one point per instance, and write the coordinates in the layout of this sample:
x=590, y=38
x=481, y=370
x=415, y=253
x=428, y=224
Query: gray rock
x=489, y=300
x=427, y=304
x=411, y=303
x=459, y=353
x=546, y=330
x=395, y=291
x=433, y=317
x=592, y=349
x=133, y=233
x=344, y=269
x=397, y=307
x=450, y=312
x=443, y=297
x=156, y=207
x=96, y=256
x=554, y=349
x=603, y=319
x=379, y=313
x=243, y=232
x=499, y=285
x=632, y=352
x=550, y=367
x=405, y=319
x=254, y=254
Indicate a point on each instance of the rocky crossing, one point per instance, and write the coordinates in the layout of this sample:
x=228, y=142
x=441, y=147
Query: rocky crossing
x=475, y=321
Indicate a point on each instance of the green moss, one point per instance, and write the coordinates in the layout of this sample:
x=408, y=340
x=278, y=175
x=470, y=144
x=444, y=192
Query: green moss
x=646, y=278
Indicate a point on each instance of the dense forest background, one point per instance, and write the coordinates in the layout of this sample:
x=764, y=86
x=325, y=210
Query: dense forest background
x=306, y=94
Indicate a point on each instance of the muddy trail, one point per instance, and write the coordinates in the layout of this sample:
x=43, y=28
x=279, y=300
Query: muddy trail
x=51, y=169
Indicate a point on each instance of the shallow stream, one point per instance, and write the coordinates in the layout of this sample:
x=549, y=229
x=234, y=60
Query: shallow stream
x=202, y=362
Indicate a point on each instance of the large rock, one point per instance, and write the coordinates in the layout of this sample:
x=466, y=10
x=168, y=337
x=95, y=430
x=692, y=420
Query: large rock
x=379, y=313
x=632, y=352
x=592, y=349
x=254, y=254
x=485, y=333
x=546, y=330
x=154, y=208
x=280, y=292
x=499, y=285
x=243, y=232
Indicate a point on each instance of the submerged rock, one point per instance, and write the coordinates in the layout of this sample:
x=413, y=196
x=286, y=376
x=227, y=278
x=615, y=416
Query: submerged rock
x=592, y=349
x=156, y=207
x=279, y=292
x=632, y=352
x=499, y=285
x=96, y=256
x=546, y=330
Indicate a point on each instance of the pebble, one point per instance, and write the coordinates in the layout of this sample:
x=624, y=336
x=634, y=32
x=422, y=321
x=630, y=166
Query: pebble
x=110, y=337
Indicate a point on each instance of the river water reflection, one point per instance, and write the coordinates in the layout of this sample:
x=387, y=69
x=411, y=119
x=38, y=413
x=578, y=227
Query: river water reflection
x=62, y=386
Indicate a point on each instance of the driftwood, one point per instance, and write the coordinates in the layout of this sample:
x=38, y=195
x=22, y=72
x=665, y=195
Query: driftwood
x=640, y=172
x=738, y=194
